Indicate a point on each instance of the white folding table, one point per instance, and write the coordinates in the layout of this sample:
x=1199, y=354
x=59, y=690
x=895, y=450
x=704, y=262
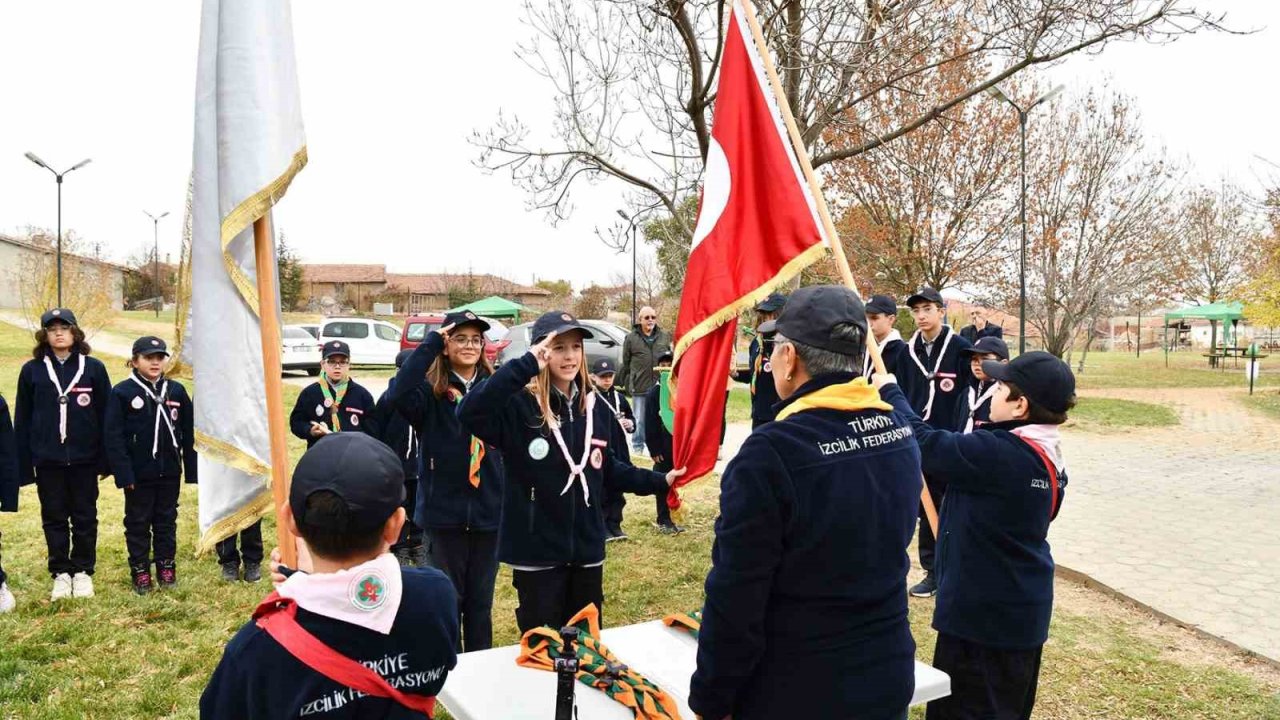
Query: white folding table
x=488, y=685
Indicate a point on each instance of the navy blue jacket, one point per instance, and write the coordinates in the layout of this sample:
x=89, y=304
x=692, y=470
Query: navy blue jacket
x=952, y=377
x=36, y=416
x=394, y=431
x=542, y=527
x=258, y=679
x=618, y=444
x=8, y=462
x=894, y=354
x=973, y=391
x=656, y=436
x=995, y=571
x=973, y=334
x=131, y=429
x=764, y=396
x=355, y=411
x=806, y=602
x=446, y=500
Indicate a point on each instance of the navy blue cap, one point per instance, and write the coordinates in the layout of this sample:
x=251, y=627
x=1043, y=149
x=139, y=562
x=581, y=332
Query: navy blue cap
x=603, y=366
x=335, y=347
x=559, y=322
x=1043, y=378
x=665, y=356
x=57, y=314
x=813, y=313
x=356, y=467
x=402, y=356
x=466, y=317
x=772, y=304
x=989, y=344
x=882, y=304
x=926, y=294
x=150, y=345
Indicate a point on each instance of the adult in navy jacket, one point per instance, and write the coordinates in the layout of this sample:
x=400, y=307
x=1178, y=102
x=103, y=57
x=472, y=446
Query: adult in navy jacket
x=554, y=439
x=806, y=609
x=995, y=571
x=460, y=486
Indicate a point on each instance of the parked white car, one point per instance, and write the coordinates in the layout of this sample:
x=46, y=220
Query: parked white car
x=300, y=351
x=373, y=342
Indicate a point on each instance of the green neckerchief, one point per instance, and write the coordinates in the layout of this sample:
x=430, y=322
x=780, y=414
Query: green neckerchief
x=334, y=401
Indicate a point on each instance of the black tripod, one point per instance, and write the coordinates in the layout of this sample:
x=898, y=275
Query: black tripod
x=566, y=663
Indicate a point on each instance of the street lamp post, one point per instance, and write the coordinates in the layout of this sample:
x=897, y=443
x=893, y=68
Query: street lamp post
x=996, y=92
x=155, y=221
x=58, y=175
x=632, y=230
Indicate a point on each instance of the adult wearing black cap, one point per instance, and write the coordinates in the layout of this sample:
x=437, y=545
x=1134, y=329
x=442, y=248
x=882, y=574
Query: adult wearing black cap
x=402, y=438
x=933, y=374
x=150, y=441
x=805, y=613
x=553, y=434
x=995, y=587
x=976, y=408
x=882, y=315
x=459, y=497
x=759, y=372
x=335, y=402
x=58, y=420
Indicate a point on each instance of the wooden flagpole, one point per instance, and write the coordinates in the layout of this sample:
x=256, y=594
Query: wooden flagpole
x=815, y=188
x=269, y=324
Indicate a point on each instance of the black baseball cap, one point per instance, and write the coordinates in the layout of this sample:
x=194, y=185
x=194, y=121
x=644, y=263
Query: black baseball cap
x=150, y=345
x=335, y=347
x=602, y=367
x=466, y=317
x=665, y=356
x=989, y=344
x=1043, y=378
x=773, y=303
x=926, y=294
x=356, y=467
x=813, y=313
x=882, y=304
x=57, y=314
x=559, y=322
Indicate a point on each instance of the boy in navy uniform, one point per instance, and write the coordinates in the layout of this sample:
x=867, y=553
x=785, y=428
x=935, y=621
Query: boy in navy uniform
x=8, y=492
x=58, y=420
x=933, y=373
x=976, y=409
x=995, y=571
x=805, y=614
x=400, y=436
x=335, y=402
x=602, y=377
x=759, y=374
x=659, y=443
x=354, y=634
x=882, y=315
x=150, y=440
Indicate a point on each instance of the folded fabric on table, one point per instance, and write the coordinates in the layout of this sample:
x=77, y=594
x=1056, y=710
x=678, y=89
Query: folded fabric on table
x=685, y=621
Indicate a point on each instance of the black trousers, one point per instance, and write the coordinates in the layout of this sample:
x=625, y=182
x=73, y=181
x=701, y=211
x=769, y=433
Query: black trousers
x=151, y=520
x=410, y=535
x=250, y=547
x=986, y=683
x=470, y=559
x=660, y=500
x=69, y=512
x=927, y=542
x=551, y=597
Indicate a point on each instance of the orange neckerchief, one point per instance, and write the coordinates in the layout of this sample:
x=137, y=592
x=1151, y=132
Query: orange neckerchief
x=692, y=622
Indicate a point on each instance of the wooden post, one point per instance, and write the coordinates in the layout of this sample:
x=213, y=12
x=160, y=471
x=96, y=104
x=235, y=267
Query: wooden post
x=269, y=324
x=829, y=227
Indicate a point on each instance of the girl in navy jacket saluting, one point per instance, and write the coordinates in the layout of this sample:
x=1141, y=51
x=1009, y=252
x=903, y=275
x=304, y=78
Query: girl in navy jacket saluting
x=554, y=438
x=459, y=497
x=62, y=403
x=150, y=439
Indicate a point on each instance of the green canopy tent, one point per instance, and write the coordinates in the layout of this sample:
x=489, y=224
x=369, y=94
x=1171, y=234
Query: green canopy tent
x=494, y=307
x=1224, y=312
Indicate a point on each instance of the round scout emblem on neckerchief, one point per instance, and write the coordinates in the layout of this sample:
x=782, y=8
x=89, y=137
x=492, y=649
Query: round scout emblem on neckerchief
x=539, y=448
x=597, y=459
x=328, y=402
x=62, y=399
x=947, y=385
x=355, y=421
x=84, y=400
x=173, y=413
x=136, y=404
x=319, y=411
x=768, y=366
x=368, y=591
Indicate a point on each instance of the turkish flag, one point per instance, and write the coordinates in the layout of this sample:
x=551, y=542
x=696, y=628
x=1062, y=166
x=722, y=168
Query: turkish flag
x=757, y=228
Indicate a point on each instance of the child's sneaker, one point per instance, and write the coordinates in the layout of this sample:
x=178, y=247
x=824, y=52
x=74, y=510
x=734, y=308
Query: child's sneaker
x=252, y=573
x=231, y=571
x=142, y=581
x=168, y=574
x=61, y=587
x=7, y=603
x=82, y=585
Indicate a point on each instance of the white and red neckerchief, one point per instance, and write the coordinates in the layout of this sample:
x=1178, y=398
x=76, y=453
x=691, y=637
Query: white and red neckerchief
x=62, y=394
x=161, y=414
x=577, y=471
x=930, y=375
x=976, y=401
x=867, y=365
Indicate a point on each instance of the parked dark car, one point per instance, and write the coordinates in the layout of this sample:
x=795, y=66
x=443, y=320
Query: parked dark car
x=417, y=327
x=607, y=342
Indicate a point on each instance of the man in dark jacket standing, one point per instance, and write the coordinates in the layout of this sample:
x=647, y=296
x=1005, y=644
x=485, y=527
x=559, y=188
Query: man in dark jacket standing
x=979, y=328
x=640, y=353
x=806, y=614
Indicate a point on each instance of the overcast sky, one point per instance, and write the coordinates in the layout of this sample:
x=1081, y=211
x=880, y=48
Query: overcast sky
x=392, y=89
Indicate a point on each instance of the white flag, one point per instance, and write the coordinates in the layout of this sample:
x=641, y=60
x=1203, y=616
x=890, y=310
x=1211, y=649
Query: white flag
x=249, y=145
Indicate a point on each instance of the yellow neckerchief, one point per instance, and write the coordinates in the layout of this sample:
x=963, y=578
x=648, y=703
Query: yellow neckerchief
x=857, y=394
x=598, y=667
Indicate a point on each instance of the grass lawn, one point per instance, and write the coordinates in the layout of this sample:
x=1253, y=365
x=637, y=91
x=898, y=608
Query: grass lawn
x=1267, y=401
x=1107, y=414
x=1186, y=369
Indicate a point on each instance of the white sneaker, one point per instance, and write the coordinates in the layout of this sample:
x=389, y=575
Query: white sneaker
x=82, y=586
x=7, y=603
x=61, y=587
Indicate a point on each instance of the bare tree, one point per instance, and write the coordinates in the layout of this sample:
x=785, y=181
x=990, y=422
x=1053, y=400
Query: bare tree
x=1220, y=237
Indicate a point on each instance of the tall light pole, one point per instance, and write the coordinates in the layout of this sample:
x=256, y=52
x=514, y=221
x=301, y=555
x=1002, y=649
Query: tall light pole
x=996, y=92
x=631, y=221
x=155, y=222
x=33, y=158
